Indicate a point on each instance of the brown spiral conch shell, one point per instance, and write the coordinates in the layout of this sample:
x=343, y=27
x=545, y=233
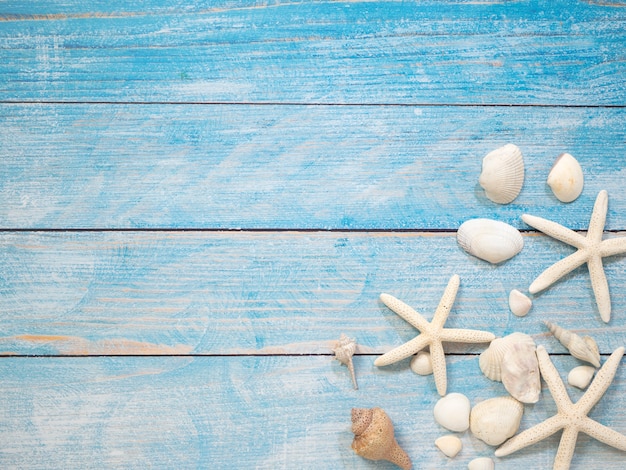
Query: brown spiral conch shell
x=374, y=438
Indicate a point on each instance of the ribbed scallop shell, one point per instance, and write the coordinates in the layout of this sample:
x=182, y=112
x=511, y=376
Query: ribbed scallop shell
x=490, y=360
x=566, y=178
x=502, y=175
x=490, y=240
x=494, y=420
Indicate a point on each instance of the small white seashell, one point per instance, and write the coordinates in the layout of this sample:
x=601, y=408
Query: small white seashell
x=494, y=420
x=450, y=445
x=520, y=372
x=519, y=303
x=566, y=178
x=583, y=348
x=490, y=360
x=344, y=350
x=580, y=376
x=502, y=175
x=421, y=363
x=481, y=463
x=453, y=411
x=490, y=240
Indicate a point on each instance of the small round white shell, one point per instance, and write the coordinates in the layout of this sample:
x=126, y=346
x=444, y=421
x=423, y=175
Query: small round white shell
x=421, y=363
x=481, y=463
x=453, y=412
x=494, y=420
x=580, y=376
x=519, y=303
x=450, y=445
x=566, y=178
x=490, y=240
x=502, y=175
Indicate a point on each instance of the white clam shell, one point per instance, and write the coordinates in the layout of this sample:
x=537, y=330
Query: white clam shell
x=481, y=463
x=490, y=240
x=566, y=178
x=450, y=445
x=453, y=412
x=580, y=376
x=502, y=175
x=494, y=420
x=421, y=363
x=519, y=303
x=490, y=360
x=520, y=372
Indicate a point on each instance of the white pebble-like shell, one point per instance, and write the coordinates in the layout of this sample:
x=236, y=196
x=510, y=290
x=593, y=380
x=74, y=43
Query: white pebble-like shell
x=490, y=240
x=520, y=372
x=421, y=363
x=580, y=376
x=450, y=445
x=502, y=175
x=494, y=420
x=481, y=463
x=490, y=360
x=566, y=178
x=519, y=303
x=453, y=412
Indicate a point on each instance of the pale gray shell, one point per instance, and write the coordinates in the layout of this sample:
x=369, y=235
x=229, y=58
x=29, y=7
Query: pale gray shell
x=580, y=376
x=583, y=348
x=490, y=240
x=520, y=372
x=344, y=350
x=502, y=175
x=494, y=420
x=566, y=178
x=519, y=303
x=490, y=360
x=422, y=364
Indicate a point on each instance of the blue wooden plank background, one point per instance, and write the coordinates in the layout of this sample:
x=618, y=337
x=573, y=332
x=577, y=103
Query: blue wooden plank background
x=198, y=198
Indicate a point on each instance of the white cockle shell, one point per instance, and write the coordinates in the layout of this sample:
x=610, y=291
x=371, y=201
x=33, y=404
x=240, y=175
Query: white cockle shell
x=580, y=376
x=421, y=363
x=502, y=175
x=566, y=178
x=490, y=240
x=481, y=463
x=494, y=420
x=450, y=445
x=520, y=372
x=519, y=303
x=453, y=412
x=490, y=360
x=581, y=347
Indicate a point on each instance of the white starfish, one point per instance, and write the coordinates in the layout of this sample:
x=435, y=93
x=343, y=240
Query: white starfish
x=570, y=417
x=591, y=250
x=431, y=334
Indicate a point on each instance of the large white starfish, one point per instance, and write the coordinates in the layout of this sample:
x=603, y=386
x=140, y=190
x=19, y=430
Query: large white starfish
x=591, y=250
x=431, y=334
x=571, y=417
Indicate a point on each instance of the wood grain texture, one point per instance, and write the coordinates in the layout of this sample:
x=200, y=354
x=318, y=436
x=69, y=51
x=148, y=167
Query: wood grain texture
x=557, y=52
x=250, y=412
x=294, y=167
x=272, y=293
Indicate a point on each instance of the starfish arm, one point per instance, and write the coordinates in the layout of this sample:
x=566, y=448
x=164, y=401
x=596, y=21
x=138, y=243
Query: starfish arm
x=445, y=304
x=604, y=434
x=531, y=436
x=565, y=452
x=438, y=360
x=553, y=379
x=402, y=352
x=558, y=270
x=406, y=312
x=600, y=287
x=598, y=217
x=457, y=335
x=613, y=246
x=555, y=230
x=601, y=382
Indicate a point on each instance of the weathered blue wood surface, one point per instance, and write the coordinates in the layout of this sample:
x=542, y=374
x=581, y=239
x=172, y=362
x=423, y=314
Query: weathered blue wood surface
x=557, y=52
x=356, y=167
x=131, y=136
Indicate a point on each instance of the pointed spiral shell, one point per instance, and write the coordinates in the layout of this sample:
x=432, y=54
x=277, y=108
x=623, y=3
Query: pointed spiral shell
x=583, y=348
